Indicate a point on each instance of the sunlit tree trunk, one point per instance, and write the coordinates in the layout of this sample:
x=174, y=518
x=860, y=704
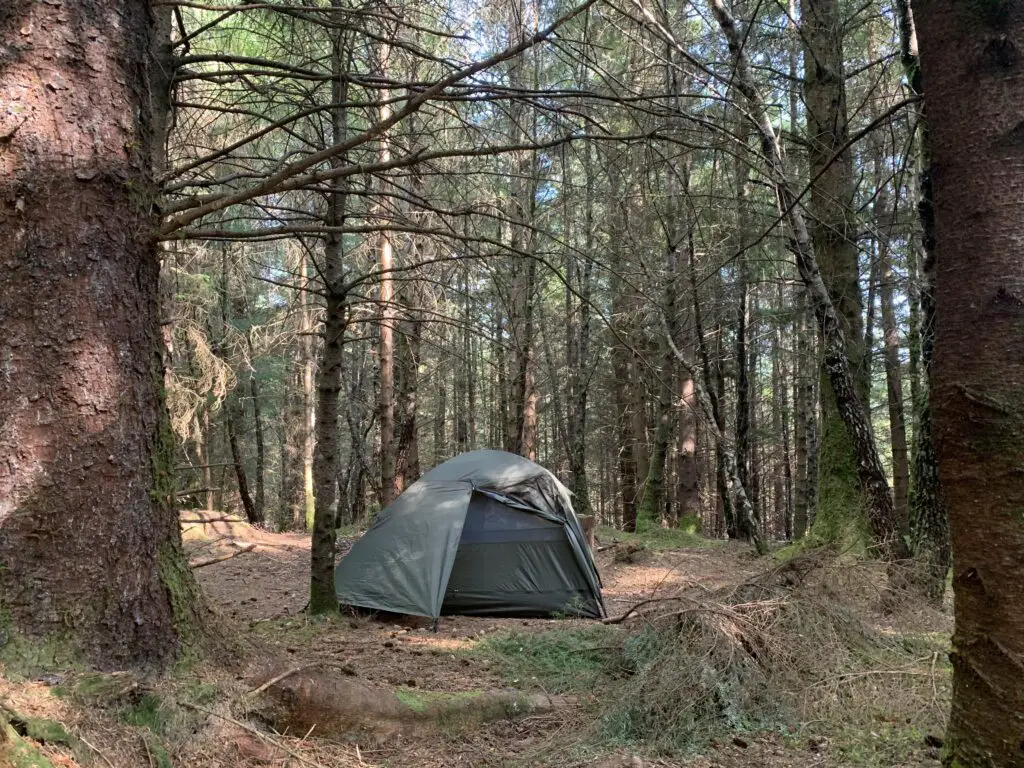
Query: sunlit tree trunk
x=89, y=540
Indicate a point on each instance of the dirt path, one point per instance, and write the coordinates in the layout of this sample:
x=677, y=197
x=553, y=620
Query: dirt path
x=265, y=590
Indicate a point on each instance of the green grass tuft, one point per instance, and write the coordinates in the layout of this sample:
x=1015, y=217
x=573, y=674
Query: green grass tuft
x=655, y=537
x=559, y=661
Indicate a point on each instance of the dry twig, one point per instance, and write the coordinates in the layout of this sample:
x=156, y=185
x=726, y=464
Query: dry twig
x=259, y=734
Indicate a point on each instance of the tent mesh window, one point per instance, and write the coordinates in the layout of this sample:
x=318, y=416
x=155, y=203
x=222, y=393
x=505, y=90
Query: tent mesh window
x=512, y=562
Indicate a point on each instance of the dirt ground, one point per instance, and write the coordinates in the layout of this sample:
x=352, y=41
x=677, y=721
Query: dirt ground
x=259, y=593
x=265, y=590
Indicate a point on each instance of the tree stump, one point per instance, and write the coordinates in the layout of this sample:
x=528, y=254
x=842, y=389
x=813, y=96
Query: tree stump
x=589, y=525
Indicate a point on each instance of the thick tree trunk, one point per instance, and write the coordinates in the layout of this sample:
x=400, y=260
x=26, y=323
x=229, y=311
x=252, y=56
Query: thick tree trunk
x=972, y=70
x=871, y=477
x=832, y=232
x=90, y=549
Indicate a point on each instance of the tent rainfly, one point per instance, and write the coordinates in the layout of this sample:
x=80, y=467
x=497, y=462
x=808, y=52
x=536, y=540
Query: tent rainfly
x=485, y=533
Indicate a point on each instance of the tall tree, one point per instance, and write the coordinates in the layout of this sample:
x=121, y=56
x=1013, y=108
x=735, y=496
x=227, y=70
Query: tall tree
x=90, y=549
x=832, y=230
x=971, y=69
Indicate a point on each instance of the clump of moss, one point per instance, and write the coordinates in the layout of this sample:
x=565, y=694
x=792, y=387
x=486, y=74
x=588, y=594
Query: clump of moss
x=17, y=732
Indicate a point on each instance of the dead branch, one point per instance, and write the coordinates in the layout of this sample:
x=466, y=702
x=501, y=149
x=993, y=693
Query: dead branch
x=259, y=734
x=221, y=558
x=276, y=679
x=635, y=608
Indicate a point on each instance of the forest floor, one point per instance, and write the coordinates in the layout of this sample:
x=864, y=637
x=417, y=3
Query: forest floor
x=879, y=700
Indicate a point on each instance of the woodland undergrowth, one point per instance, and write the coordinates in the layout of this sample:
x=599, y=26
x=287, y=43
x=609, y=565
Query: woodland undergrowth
x=803, y=652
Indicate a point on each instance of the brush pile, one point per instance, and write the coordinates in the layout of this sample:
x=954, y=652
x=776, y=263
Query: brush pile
x=767, y=653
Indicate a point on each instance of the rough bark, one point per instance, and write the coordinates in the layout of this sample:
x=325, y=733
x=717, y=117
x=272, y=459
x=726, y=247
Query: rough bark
x=971, y=68
x=929, y=517
x=90, y=549
x=841, y=372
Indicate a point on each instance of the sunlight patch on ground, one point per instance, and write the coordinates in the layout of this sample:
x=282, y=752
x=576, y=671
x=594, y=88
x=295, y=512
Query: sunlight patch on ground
x=440, y=643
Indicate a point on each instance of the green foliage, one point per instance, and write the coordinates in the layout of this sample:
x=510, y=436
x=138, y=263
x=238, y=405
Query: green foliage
x=690, y=524
x=148, y=711
x=15, y=752
x=558, y=661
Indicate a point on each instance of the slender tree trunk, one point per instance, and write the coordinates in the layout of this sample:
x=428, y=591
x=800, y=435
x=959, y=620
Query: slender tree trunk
x=441, y=412
x=386, y=403
x=308, y=344
x=260, y=502
x=327, y=454
x=90, y=544
x=578, y=348
x=653, y=501
x=407, y=468
x=894, y=387
x=688, y=483
x=929, y=520
x=230, y=414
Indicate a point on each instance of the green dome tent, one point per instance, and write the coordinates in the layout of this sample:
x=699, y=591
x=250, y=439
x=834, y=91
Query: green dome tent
x=485, y=533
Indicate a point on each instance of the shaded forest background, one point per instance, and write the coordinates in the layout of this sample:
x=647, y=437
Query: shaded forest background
x=556, y=255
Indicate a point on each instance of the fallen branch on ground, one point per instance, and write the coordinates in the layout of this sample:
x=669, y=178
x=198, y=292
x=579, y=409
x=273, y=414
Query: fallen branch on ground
x=221, y=558
x=255, y=732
